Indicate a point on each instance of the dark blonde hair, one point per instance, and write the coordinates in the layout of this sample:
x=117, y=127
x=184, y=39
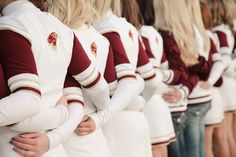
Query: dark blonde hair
x=130, y=11
x=220, y=12
x=206, y=15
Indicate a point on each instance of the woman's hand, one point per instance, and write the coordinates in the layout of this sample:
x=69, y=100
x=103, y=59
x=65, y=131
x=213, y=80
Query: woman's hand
x=173, y=96
x=205, y=85
x=31, y=144
x=62, y=101
x=87, y=126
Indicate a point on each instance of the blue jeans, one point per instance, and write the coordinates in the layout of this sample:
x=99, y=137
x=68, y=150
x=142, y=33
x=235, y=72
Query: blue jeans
x=194, y=131
x=175, y=148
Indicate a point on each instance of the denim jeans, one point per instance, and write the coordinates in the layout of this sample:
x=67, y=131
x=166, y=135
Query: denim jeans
x=175, y=148
x=194, y=131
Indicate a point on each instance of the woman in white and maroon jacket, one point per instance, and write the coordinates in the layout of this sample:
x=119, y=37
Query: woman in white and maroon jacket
x=124, y=38
x=222, y=26
x=182, y=54
x=41, y=43
x=215, y=116
x=110, y=65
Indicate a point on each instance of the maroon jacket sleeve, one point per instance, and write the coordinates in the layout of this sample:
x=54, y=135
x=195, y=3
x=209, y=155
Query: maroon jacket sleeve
x=5, y=91
x=163, y=58
x=17, y=59
x=119, y=53
x=121, y=60
x=142, y=55
x=110, y=71
x=173, y=56
x=148, y=48
x=222, y=39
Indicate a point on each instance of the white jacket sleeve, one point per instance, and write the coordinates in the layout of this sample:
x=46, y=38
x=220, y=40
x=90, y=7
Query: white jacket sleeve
x=216, y=72
x=59, y=135
x=95, y=86
x=126, y=90
x=18, y=106
x=48, y=118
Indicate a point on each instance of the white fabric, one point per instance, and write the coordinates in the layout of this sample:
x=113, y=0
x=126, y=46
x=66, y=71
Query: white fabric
x=128, y=34
x=60, y=134
x=128, y=135
x=216, y=114
x=22, y=17
x=228, y=90
x=216, y=72
x=155, y=41
x=159, y=119
x=200, y=43
x=13, y=108
x=92, y=145
x=46, y=119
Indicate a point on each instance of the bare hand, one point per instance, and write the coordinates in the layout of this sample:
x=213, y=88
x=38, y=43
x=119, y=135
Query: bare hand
x=173, y=96
x=31, y=144
x=205, y=85
x=87, y=126
x=62, y=101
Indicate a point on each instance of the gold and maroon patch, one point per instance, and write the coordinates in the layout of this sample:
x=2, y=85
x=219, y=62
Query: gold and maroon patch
x=131, y=35
x=52, y=39
x=94, y=48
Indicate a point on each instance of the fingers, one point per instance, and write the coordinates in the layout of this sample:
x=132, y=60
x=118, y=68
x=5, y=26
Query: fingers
x=30, y=135
x=24, y=140
x=24, y=152
x=85, y=118
x=83, y=132
x=22, y=146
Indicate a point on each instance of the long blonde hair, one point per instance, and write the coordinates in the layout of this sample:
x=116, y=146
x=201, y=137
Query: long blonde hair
x=196, y=16
x=172, y=15
x=102, y=7
x=73, y=13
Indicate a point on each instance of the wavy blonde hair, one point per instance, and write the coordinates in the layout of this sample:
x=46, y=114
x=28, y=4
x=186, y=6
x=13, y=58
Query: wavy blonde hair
x=172, y=15
x=196, y=16
x=73, y=13
x=102, y=7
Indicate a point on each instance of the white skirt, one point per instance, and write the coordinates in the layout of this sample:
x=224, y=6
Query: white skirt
x=159, y=119
x=127, y=135
x=92, y=145
x=228, y=90
x=6, y=149
x=216, y=114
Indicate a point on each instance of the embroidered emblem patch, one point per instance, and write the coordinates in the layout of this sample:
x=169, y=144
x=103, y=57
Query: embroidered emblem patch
x=131, y=35
x=94, y=48
x=52, y=39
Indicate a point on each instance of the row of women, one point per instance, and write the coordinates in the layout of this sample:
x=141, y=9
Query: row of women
x=117, y=78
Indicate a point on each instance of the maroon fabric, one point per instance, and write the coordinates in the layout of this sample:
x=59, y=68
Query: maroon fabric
x=142, y=55
x=163, y=59
x=5, y=91
x=16, y=54
x=222, y=39
x=110, y=71
x=148, y=48
x=119, y=53
x=182, y=75
x=78, y=54
x=70, y=82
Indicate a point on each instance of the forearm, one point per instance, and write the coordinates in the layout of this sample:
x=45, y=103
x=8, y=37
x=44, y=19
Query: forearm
x=60, y=134
x=17, y=107
x=47, y=119
x=216, y=72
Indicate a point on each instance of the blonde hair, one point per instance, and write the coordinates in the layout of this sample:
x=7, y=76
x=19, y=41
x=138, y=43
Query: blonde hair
x=196, y=16
x=172, y=15
x=102, y=7
x=73, y=13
